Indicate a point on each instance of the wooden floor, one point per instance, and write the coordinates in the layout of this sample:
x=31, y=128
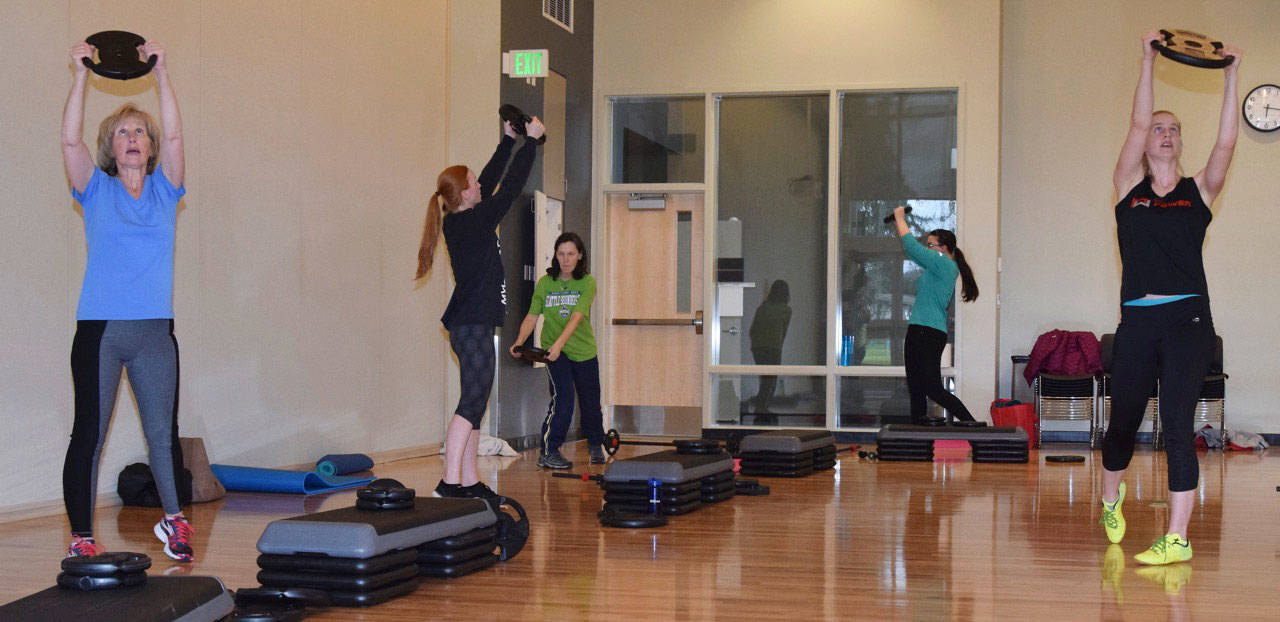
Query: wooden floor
x=864, y=541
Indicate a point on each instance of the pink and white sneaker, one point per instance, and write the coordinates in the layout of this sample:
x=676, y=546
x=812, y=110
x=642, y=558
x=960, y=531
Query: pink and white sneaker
x=176, y=534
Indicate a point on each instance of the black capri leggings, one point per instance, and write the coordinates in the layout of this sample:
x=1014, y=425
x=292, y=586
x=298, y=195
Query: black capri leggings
x=1172, y=342
x=922, y=351
x=473, y=345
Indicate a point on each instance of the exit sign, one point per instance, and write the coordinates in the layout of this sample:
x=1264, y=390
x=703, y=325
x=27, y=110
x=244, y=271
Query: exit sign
x=525, y=63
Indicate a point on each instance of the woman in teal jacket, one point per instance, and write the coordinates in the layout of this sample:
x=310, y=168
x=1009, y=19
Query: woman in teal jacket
x=927, y=330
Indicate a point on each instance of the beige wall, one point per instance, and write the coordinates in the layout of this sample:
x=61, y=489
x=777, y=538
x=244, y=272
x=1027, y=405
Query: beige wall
x=672, y=46
x=1065, y=113
x=313, y=132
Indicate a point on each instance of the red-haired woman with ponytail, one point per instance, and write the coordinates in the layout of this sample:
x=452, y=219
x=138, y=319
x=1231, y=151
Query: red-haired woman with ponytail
x=927, y=331
x=467, y=210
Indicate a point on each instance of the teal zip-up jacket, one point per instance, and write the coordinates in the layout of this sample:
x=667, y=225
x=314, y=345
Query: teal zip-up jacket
x=936, y=288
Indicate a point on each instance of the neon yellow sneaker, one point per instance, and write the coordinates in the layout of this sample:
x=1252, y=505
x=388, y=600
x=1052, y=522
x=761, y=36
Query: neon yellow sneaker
x=1113, y=570
x=1112, y=519
x=1172, y=577
x=1169, y=549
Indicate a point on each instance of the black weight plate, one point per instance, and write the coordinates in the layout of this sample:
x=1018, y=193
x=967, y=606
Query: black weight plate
x=1191, y=48
x=387, y=494
x=118, y=55
x=696, y=446
x=106, y=564
x=513, y=531
x=631, y=520
x=1064, y=458
x=375, y=505
x=889, y=219
x=612, y=441
x=531, y=353
x=109, y=582
x=385, y=482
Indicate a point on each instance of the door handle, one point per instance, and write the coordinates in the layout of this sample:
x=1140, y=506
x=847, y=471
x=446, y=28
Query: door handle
x=695, y=322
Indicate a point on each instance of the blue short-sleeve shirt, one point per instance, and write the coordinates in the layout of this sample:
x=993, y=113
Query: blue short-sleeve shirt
x=129, y=271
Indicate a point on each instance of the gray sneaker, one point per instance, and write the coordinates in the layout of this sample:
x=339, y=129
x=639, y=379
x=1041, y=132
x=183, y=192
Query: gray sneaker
x=554, y=460
x=597, y=454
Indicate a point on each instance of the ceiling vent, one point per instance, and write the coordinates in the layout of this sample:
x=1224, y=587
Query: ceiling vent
x=560, y=12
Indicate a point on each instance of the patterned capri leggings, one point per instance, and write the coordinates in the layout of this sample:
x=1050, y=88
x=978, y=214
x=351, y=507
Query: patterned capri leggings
x=473, y=345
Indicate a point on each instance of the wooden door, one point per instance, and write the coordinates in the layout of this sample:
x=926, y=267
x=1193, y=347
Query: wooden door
x=655, y=289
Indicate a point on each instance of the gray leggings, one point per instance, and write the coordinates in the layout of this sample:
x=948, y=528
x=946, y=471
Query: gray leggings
x=100, y=350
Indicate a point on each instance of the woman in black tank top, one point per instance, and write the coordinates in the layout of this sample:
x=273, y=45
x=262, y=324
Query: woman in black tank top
x=1166, y=331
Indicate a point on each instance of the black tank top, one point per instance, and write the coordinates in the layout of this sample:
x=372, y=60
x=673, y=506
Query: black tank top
x=1160, y=240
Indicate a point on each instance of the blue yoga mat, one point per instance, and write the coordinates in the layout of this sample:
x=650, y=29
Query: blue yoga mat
x=343, y=464
x=253, y=479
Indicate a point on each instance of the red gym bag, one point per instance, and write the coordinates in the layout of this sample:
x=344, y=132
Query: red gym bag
x=1010, y=413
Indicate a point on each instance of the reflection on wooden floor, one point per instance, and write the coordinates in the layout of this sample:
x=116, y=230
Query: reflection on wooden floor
x=865, y=541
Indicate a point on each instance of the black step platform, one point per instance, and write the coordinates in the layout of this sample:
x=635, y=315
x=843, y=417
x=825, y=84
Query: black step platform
x=668, y=482
x=355, y=533
x=159, y=599
x=915, y=442
x=365, y=557
x=787, y=453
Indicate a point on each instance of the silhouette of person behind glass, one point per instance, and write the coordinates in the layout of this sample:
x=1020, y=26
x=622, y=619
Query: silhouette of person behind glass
x=768, y=330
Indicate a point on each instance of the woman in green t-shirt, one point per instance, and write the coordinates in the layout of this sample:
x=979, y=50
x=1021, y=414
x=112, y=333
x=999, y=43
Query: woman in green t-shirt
x=563, y=298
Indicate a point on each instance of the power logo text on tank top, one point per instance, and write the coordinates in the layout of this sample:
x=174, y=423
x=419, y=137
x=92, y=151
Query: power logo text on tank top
x=1158, y=203
x=565, y=301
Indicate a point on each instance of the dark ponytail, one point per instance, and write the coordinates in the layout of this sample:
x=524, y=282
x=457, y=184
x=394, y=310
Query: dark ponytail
x=968, y=286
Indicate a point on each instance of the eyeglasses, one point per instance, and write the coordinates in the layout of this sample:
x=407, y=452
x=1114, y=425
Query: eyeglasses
x=933, y=245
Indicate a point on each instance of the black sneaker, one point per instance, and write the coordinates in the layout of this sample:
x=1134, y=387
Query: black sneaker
x=448, y=490
x=597, y=454
x=478, y=491
x=554, y=460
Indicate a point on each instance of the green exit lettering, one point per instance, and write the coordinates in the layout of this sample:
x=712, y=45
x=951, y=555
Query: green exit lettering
x=527, y=64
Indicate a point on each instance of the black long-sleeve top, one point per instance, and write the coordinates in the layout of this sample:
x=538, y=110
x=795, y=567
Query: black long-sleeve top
x=480, y=292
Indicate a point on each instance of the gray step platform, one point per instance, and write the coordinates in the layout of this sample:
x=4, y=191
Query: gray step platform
x=360, y=534
x=160, y=599
x=787, y=441
x=988, y=444
x=787, y=453
x=668, y=467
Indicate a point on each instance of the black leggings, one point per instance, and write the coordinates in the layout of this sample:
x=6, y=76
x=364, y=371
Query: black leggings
x=922, y=350
x=100, y=350
x=473, y=344
x=1172, y=342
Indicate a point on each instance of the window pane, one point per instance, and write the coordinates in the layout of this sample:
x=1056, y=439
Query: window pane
x=895, y=148
x=772, y=230
x=783, y=401
x=873, y=401
x=658, y=140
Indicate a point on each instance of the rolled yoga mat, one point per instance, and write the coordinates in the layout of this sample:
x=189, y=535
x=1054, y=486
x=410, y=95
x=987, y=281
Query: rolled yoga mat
x=343, y=464
x=253, y=479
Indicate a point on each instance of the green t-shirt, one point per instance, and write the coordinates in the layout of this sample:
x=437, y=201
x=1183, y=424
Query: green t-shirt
x=556, y=300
